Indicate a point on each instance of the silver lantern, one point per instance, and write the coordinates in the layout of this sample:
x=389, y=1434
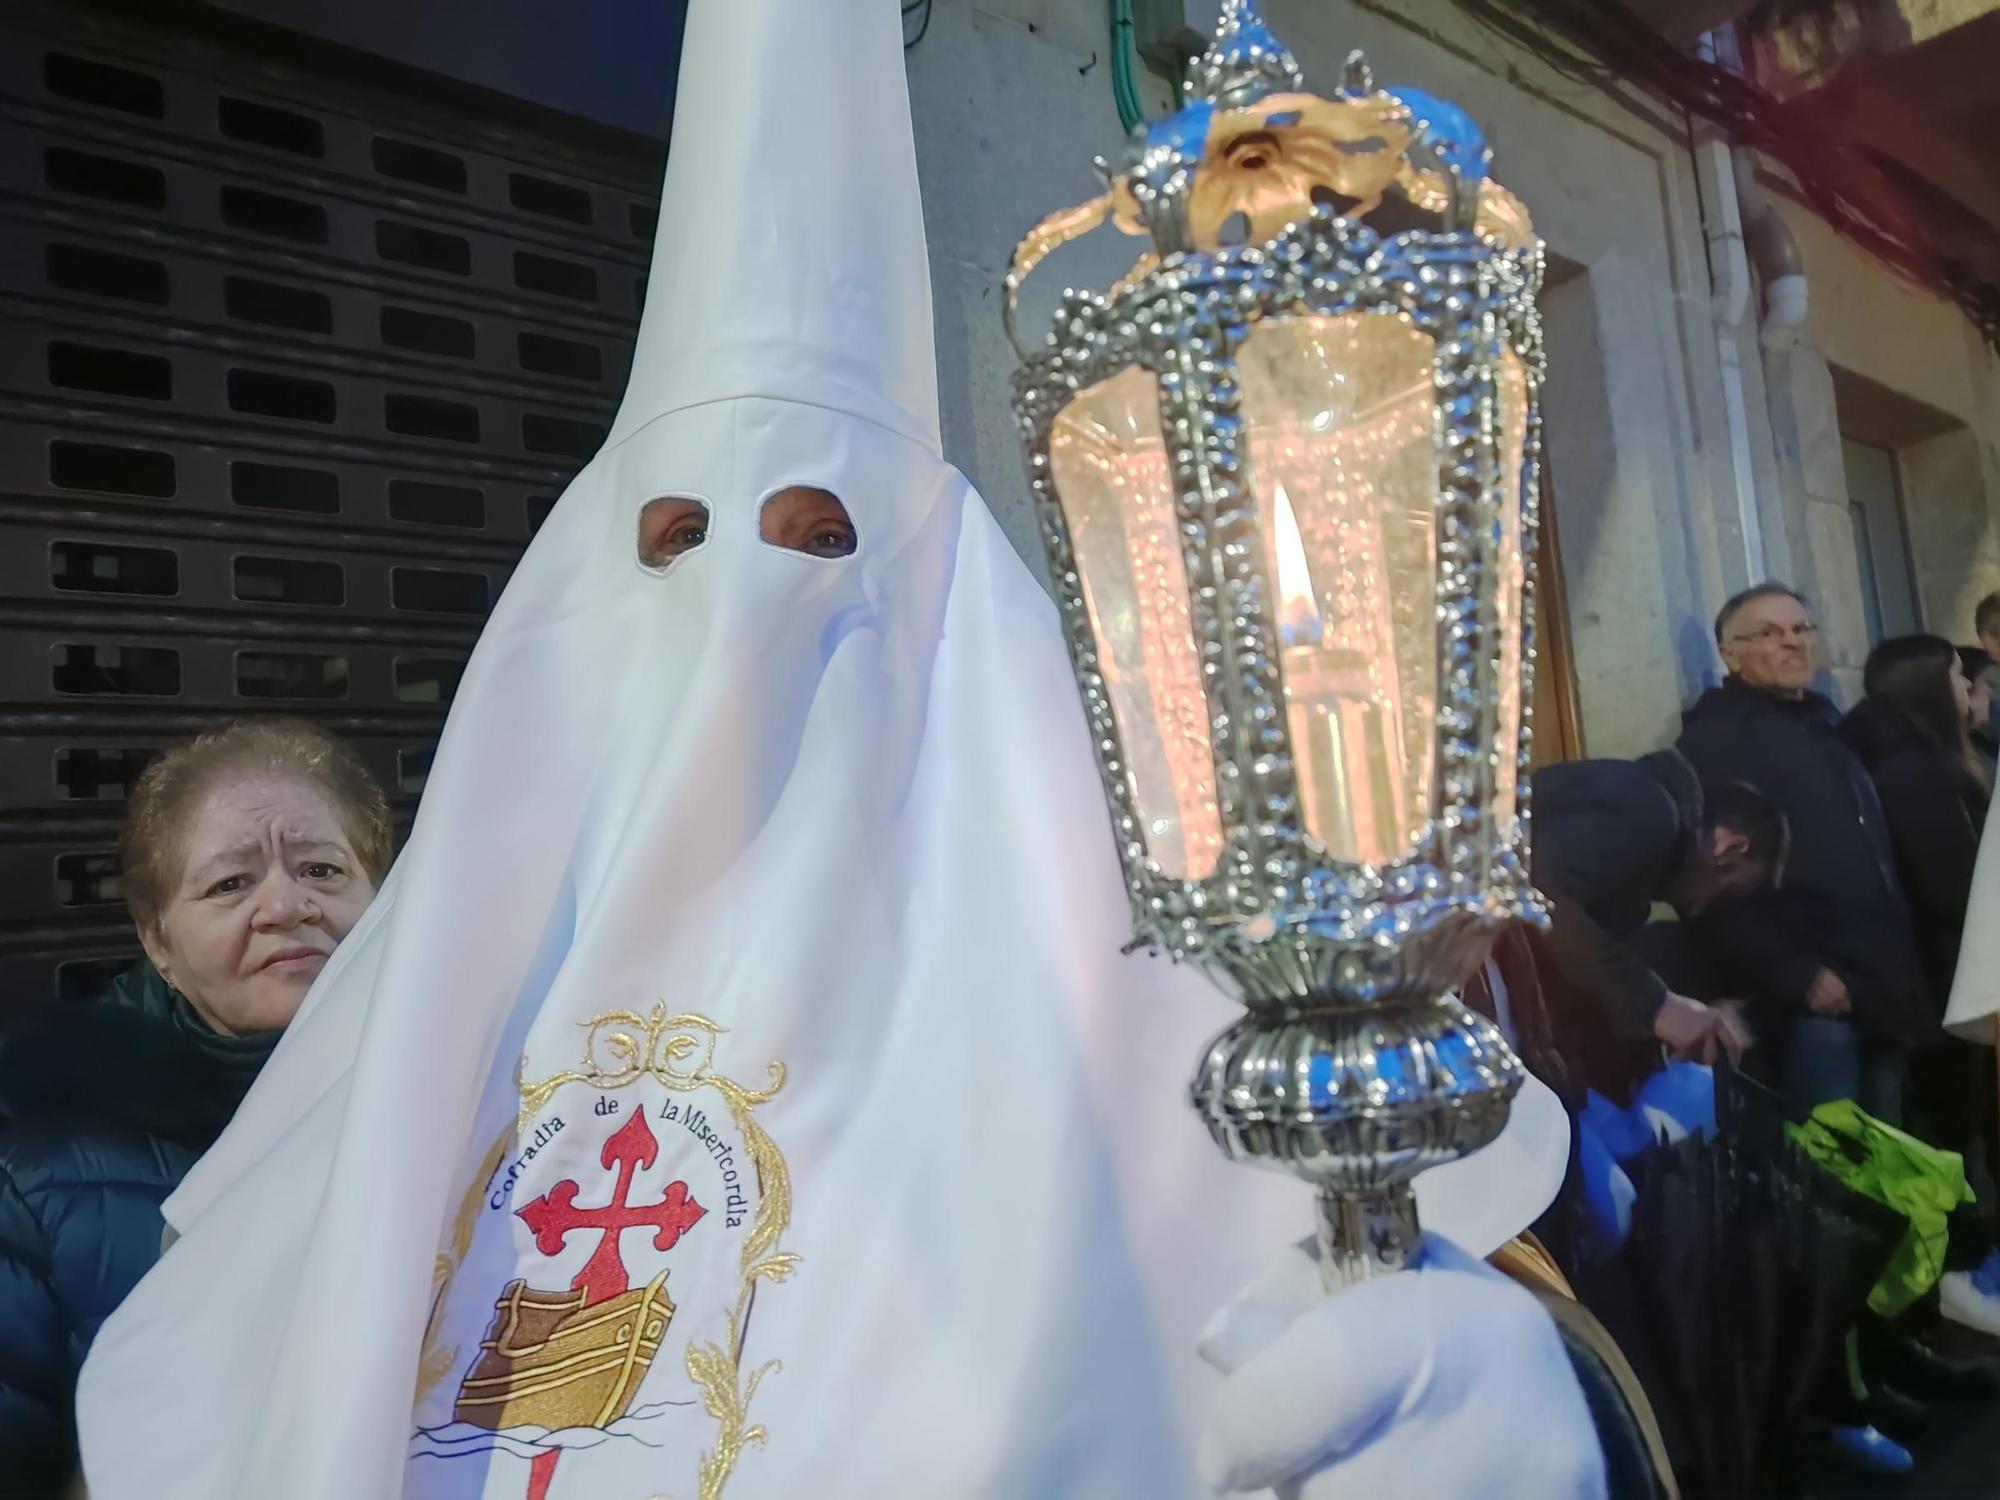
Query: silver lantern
x=1285, y=471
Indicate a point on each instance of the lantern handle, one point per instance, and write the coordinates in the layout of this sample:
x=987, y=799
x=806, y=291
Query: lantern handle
x=1050, y=235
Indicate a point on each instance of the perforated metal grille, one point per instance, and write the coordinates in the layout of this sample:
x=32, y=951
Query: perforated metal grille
x=292, y=364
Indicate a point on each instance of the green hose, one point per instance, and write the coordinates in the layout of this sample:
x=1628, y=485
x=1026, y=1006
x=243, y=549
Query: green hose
x=1123, y=88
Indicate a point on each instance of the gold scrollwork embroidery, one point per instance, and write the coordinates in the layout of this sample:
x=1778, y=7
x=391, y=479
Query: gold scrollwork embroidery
x=620, y=1048
x=654, y=1046
x=433, y=1364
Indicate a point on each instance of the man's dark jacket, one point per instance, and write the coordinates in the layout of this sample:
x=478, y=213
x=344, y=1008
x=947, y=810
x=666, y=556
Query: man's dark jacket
x=1840, y=907
x=1610, y=836
x=103, y=1108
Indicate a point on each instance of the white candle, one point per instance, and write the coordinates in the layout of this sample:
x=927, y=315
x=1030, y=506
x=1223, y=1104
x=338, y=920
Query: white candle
x=1347, y=779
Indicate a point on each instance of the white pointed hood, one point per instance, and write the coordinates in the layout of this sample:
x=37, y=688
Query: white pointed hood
x=738, y=1087
x=790, y=259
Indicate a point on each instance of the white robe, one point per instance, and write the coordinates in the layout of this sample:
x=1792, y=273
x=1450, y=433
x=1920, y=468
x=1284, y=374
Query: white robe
x=1975, y=990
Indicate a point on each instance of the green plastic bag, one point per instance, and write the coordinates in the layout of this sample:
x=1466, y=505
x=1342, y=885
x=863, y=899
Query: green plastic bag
x=1920, y=1182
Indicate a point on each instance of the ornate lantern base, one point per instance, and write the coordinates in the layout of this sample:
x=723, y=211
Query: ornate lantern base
x=1358, y=1099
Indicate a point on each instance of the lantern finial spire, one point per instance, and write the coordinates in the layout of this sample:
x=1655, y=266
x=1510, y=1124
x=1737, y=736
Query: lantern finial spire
x=1244, y=62
x=1357, y=79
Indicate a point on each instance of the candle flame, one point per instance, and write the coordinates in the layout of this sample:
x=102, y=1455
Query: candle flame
x=1299, y=622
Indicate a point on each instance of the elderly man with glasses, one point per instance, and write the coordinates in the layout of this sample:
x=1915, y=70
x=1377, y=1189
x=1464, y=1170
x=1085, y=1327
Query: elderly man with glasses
x=1829, y=958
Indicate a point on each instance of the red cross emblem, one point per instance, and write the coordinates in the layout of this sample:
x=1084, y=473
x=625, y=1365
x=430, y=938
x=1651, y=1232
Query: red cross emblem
x=555, y=1216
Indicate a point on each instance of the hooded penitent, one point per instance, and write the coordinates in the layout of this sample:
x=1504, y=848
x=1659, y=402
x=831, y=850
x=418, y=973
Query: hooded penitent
x=738, y=1086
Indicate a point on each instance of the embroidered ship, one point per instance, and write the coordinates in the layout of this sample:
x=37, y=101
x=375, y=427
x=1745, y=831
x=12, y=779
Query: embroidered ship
x=551, y=1360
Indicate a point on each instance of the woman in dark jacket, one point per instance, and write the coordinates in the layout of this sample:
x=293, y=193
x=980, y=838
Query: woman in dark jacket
x=246, y=856
x=1914, y=733
x=1911, y=732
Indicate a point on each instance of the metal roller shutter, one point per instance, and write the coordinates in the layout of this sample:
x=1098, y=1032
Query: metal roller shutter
x=294, y=357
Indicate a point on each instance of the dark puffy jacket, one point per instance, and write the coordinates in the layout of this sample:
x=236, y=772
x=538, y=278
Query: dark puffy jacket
x=1841, y=906
x=1936, y=810
x=103, y=1108
x=1610, y=836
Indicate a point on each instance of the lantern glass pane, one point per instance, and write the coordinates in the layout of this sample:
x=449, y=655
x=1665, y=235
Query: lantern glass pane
x=1510, y=597
x=1110, y=467
x=1339, y=412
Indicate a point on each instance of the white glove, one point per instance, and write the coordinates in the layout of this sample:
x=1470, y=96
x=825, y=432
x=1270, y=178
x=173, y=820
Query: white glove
x=1448, y=1382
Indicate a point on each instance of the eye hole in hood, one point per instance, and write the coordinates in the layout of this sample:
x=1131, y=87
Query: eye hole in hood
x=670, y=527
x=803, y=518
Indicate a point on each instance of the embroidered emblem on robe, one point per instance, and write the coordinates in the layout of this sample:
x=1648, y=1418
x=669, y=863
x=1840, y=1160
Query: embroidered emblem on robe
x=571, y=1367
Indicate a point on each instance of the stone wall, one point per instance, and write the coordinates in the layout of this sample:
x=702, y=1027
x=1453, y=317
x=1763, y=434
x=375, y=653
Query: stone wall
x=1892, y=365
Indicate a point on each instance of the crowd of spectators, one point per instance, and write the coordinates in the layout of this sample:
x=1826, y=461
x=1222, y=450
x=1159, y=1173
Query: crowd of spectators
x=1786, y=888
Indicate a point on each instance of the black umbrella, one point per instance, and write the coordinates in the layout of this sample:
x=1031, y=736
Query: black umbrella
x=1748, y=1264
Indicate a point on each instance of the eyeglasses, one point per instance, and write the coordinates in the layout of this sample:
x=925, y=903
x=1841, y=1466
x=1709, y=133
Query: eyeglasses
x=1771, y=635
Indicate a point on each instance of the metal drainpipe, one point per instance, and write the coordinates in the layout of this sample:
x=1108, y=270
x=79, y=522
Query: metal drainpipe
x=1729, y=273
x=1775, y=252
